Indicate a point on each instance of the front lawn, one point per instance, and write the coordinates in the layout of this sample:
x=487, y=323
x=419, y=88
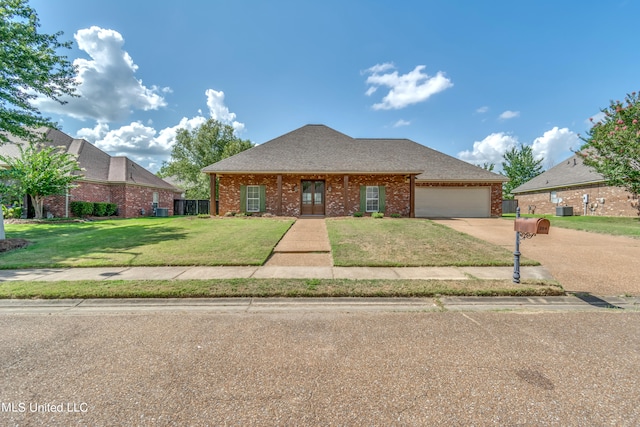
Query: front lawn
x=409, y=243
x=145, y=241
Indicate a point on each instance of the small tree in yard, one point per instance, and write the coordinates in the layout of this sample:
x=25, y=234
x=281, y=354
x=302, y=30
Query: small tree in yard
x=612, y=146
x=519, y=166
x=39, y=172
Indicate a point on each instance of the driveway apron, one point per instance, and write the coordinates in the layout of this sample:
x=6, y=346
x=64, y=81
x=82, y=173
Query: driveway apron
x=581, y=261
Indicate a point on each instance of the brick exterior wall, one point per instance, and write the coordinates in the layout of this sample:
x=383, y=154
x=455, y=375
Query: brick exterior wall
x=496, y=192
x=397, y=194
x=129, y=198
x=604, y=200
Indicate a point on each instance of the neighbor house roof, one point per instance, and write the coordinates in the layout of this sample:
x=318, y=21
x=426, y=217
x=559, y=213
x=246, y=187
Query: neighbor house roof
x=569, y=173
x=320, y=149
x=98, y=166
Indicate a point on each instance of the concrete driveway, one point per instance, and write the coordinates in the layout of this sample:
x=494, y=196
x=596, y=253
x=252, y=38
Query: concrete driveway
x=599, y=264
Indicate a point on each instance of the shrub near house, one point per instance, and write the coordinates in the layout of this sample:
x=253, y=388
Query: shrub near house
x=81, y=209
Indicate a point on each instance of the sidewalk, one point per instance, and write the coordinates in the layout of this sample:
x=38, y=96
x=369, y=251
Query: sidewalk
x=305, y=244
x=271, y=272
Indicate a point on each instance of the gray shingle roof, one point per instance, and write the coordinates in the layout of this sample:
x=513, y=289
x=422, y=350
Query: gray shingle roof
x=569, y=173
x=99, y=166
x=320, y=149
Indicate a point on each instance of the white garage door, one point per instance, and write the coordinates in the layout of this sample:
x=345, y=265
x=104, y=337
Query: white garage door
x=453, y=202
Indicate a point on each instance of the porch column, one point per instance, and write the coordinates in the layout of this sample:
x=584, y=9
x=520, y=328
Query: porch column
x=346, y=195
x=279, y=196
x=212, y=200
x=412, y=196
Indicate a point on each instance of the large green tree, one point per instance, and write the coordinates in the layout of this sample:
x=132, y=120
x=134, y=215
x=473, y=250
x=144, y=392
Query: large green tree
x=612, y=145
x=40, y=171
x=194, y=150
x=520, y=166
x=30, y=67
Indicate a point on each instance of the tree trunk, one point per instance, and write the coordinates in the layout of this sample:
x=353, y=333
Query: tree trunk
x=1, y=224
x=38, y=204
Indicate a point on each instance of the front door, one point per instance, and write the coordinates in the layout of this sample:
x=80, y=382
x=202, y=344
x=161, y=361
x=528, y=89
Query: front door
x=312, y=198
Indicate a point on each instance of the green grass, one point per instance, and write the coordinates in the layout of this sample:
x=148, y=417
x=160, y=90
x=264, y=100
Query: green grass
x=274, y=288
x=410, y=242
x=617, y=226
x=145, y=241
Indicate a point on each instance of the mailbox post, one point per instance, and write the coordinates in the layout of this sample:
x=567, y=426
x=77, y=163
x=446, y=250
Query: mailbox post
x=526, y=228
x=516, y=253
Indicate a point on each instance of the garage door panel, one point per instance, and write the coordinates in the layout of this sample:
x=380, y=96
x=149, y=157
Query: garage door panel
x=451, y=202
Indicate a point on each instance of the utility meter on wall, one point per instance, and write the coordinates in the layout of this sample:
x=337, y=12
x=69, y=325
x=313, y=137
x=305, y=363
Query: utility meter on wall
x=585, y=198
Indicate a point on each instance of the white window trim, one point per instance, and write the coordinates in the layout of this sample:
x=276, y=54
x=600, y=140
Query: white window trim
x=367, y=198
x=257, y=209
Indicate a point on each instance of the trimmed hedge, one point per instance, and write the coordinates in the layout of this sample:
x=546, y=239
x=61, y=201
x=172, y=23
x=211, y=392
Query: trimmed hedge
x=99, y=209
x=81, y=209
x=112, y=209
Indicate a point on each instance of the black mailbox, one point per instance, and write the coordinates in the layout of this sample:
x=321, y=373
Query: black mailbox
x=532, y=225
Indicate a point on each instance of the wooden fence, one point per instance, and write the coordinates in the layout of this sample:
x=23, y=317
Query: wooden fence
x=191, y=207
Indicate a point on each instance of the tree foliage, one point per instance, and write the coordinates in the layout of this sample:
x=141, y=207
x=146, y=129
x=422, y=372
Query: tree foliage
x=29, y=67
x=197, y=149
x=40, y=171
x=488, y=166
x=612, y=145
x=519, y=166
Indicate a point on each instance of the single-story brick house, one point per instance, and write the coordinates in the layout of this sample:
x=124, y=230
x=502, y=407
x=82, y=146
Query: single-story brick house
x=316, y=170
x=112, y=179
x=566, y=183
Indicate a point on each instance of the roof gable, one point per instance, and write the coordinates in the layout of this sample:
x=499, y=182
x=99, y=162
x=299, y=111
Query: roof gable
x=320, y=149
x=569, y=173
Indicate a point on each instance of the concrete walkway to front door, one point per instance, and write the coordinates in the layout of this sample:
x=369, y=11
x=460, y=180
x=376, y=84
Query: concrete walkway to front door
x=305, y=244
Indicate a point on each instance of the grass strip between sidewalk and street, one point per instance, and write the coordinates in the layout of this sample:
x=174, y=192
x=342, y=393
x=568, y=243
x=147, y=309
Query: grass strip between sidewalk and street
x=217, y=288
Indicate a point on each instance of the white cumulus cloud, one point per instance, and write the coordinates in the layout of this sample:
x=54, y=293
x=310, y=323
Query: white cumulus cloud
x=107, y=85
x=489, y=150
x=482, y=109
x=140, y=143
x=404, y=89
x=219, y=111
x=553, y=144
x=509, y=115
x=147, y=146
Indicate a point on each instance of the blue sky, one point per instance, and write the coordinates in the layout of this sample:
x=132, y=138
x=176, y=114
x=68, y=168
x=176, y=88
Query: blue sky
x=468, y=78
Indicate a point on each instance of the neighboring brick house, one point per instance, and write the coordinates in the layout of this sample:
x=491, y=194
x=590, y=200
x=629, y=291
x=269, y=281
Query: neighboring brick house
x=112, y=179
x=316, y=170
x=566, y=184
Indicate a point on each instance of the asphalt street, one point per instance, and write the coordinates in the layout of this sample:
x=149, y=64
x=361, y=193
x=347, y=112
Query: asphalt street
x=311, y=367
